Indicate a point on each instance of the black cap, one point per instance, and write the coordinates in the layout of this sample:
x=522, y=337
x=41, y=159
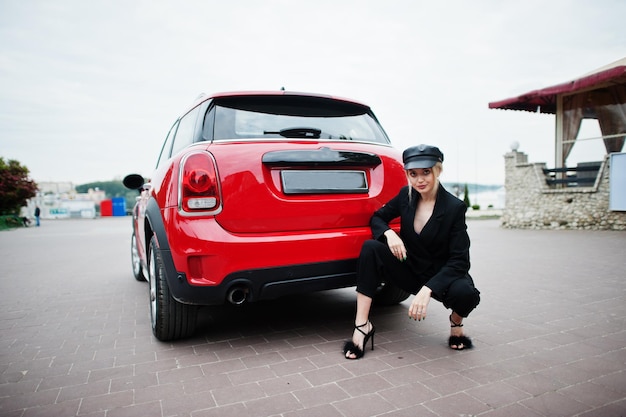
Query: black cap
x=421, y=156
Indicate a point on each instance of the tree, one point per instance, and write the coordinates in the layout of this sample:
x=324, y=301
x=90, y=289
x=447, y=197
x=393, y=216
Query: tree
x=15, y=186
x=111, y=189
x=466, y=196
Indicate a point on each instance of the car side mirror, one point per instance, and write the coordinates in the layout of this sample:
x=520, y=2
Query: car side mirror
x=133, y=182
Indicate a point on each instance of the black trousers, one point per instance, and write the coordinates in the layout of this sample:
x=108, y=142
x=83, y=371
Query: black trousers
x=377, y=264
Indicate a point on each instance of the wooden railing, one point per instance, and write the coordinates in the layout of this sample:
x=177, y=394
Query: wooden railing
x=583, y=175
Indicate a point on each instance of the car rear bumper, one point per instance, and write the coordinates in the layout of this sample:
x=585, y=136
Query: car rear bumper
x=213, y=266
x=267, y=283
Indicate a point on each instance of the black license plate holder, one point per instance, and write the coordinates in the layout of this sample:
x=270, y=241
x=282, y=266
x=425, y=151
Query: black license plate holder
x=324, y=182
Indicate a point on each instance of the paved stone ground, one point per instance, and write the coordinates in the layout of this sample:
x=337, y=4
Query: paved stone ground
x=75, y=338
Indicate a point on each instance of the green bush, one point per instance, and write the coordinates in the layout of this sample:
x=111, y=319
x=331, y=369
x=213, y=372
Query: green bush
x=10, y=221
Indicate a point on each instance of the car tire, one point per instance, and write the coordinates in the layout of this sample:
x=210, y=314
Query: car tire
x=136, y=260
x=388, y=294
x=170, y=319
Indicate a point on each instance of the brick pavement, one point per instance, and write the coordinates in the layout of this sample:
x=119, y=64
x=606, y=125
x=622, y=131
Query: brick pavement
x=75, y=338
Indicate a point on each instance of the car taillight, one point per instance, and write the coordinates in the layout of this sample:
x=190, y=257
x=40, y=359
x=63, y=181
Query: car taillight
x=199, y=187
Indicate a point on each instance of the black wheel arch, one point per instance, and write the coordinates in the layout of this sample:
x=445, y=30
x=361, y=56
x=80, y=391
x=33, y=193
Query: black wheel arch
x=154, y=226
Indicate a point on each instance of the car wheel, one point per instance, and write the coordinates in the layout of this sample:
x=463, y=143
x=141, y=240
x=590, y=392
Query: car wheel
x=388, y=294
x=170, y=319
x=136, y=260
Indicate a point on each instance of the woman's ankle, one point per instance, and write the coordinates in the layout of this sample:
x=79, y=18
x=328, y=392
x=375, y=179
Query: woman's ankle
x=456, y=320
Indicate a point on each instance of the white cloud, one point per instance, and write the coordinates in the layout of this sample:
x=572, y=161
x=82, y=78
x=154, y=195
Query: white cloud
x=88, y=90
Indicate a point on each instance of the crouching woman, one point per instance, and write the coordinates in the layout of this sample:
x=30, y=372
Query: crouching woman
x=430, y=257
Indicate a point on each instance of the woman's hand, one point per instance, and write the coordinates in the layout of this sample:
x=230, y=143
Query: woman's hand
x=419, y=306
x=396, y=245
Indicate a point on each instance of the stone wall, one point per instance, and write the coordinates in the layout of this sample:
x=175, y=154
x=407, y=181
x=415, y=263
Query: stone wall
x=532, y=204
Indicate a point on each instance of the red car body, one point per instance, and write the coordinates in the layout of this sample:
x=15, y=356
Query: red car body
x=238, y=212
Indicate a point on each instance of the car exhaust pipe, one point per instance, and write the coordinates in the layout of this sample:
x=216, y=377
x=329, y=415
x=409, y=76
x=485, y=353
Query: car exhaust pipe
x=237, y=295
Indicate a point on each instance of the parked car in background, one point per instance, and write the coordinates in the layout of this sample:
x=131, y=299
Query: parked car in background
x=258, y=195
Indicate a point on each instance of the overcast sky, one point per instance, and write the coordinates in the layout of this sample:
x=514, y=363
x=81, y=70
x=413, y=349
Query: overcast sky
x=89, y=89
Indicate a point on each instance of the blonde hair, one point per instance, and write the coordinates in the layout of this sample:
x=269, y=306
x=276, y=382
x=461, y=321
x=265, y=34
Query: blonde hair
x=437, y=169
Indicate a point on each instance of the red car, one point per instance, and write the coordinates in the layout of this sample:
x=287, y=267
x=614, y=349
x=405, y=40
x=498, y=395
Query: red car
x=258, y=195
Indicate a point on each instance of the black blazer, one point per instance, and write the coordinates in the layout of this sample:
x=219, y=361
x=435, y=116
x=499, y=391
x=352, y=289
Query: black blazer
x=440, y=254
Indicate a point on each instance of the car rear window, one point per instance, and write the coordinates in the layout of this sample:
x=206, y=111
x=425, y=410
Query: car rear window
x=292, y=117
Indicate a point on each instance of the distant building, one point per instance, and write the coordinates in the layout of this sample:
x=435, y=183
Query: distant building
x=59, y=200
x=56, y=187
x=590, y=195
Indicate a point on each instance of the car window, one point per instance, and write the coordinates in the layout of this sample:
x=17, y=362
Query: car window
x=209, y=121
x=167, y=145
x=186, y=130
x=294, y=117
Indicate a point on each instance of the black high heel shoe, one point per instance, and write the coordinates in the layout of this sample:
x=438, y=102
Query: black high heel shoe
x=461, y=342
x=357, y=351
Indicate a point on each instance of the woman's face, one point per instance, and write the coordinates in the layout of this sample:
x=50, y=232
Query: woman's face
x=423, y=180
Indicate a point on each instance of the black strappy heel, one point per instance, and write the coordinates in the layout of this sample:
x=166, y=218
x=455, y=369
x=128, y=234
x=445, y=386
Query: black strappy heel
x=352, y=348
x=457, y=341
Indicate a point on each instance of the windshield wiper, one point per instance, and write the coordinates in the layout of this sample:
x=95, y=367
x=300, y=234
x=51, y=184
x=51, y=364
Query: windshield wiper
x=296, y=132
